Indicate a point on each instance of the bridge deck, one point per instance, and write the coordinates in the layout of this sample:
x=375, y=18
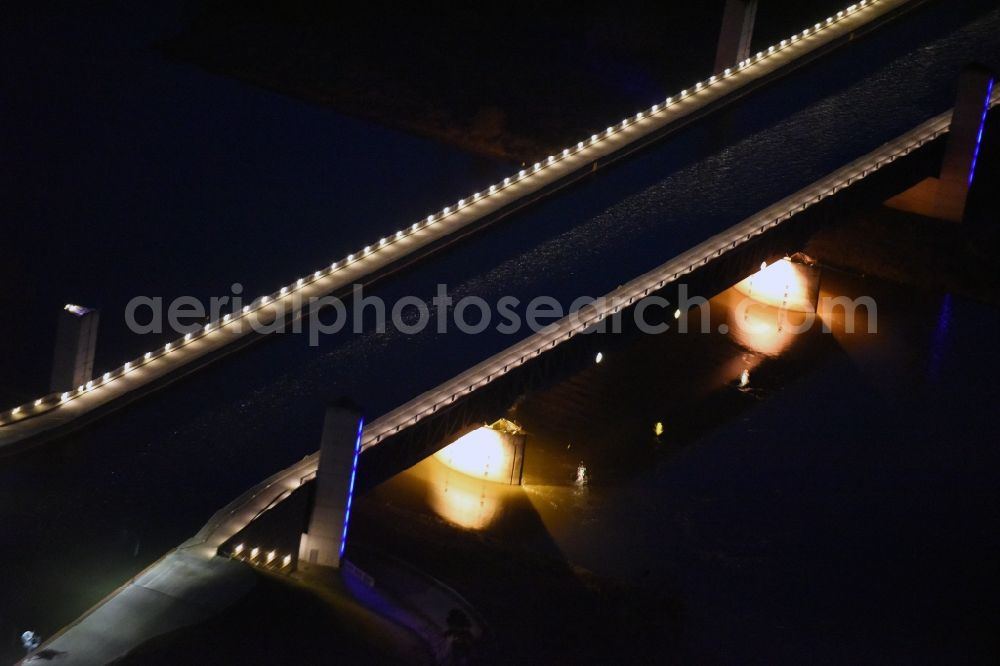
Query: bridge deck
x=57, y=412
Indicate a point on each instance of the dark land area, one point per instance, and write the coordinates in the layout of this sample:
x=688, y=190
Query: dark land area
x=540, y=608
x=516, y=81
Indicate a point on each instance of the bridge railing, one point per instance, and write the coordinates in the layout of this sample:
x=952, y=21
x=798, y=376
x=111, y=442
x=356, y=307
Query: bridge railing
x=627, y=295
x=217, y=327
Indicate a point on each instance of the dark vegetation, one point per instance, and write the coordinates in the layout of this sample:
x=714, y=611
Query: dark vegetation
x=509, y=80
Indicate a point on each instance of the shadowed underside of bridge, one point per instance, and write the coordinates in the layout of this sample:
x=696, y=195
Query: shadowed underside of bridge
x=399, y=451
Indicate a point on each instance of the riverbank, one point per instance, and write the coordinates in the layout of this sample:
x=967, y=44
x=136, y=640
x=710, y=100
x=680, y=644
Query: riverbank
x=285, y=620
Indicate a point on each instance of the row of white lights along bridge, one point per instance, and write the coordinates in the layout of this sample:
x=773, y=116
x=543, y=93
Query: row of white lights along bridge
x=54, y=400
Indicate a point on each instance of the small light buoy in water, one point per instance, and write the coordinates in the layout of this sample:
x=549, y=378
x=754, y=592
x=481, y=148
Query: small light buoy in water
x=744, y=378
x=599, y=357
x=658, y=428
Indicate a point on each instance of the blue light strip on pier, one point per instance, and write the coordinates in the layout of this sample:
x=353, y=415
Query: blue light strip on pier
x=979, y=136
x=350, y=488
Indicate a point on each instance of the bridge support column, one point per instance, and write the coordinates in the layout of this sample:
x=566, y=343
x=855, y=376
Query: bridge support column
x=324, y=541
x=76, y=342
x=945, y=197
x=734, y=37
x=516, y=442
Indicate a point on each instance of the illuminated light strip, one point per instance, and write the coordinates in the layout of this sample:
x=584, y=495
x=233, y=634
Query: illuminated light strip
x=350, y=488
x=579, y=147
x=979, y=135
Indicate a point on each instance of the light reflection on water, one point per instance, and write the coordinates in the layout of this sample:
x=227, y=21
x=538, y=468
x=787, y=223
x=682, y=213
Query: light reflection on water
x=762, y=329
x=463, y=500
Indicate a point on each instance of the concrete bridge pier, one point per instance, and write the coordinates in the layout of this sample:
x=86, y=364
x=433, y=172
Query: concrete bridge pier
x=945, y=197
x=735, y=34
x=324, y=541
x=76, y=342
